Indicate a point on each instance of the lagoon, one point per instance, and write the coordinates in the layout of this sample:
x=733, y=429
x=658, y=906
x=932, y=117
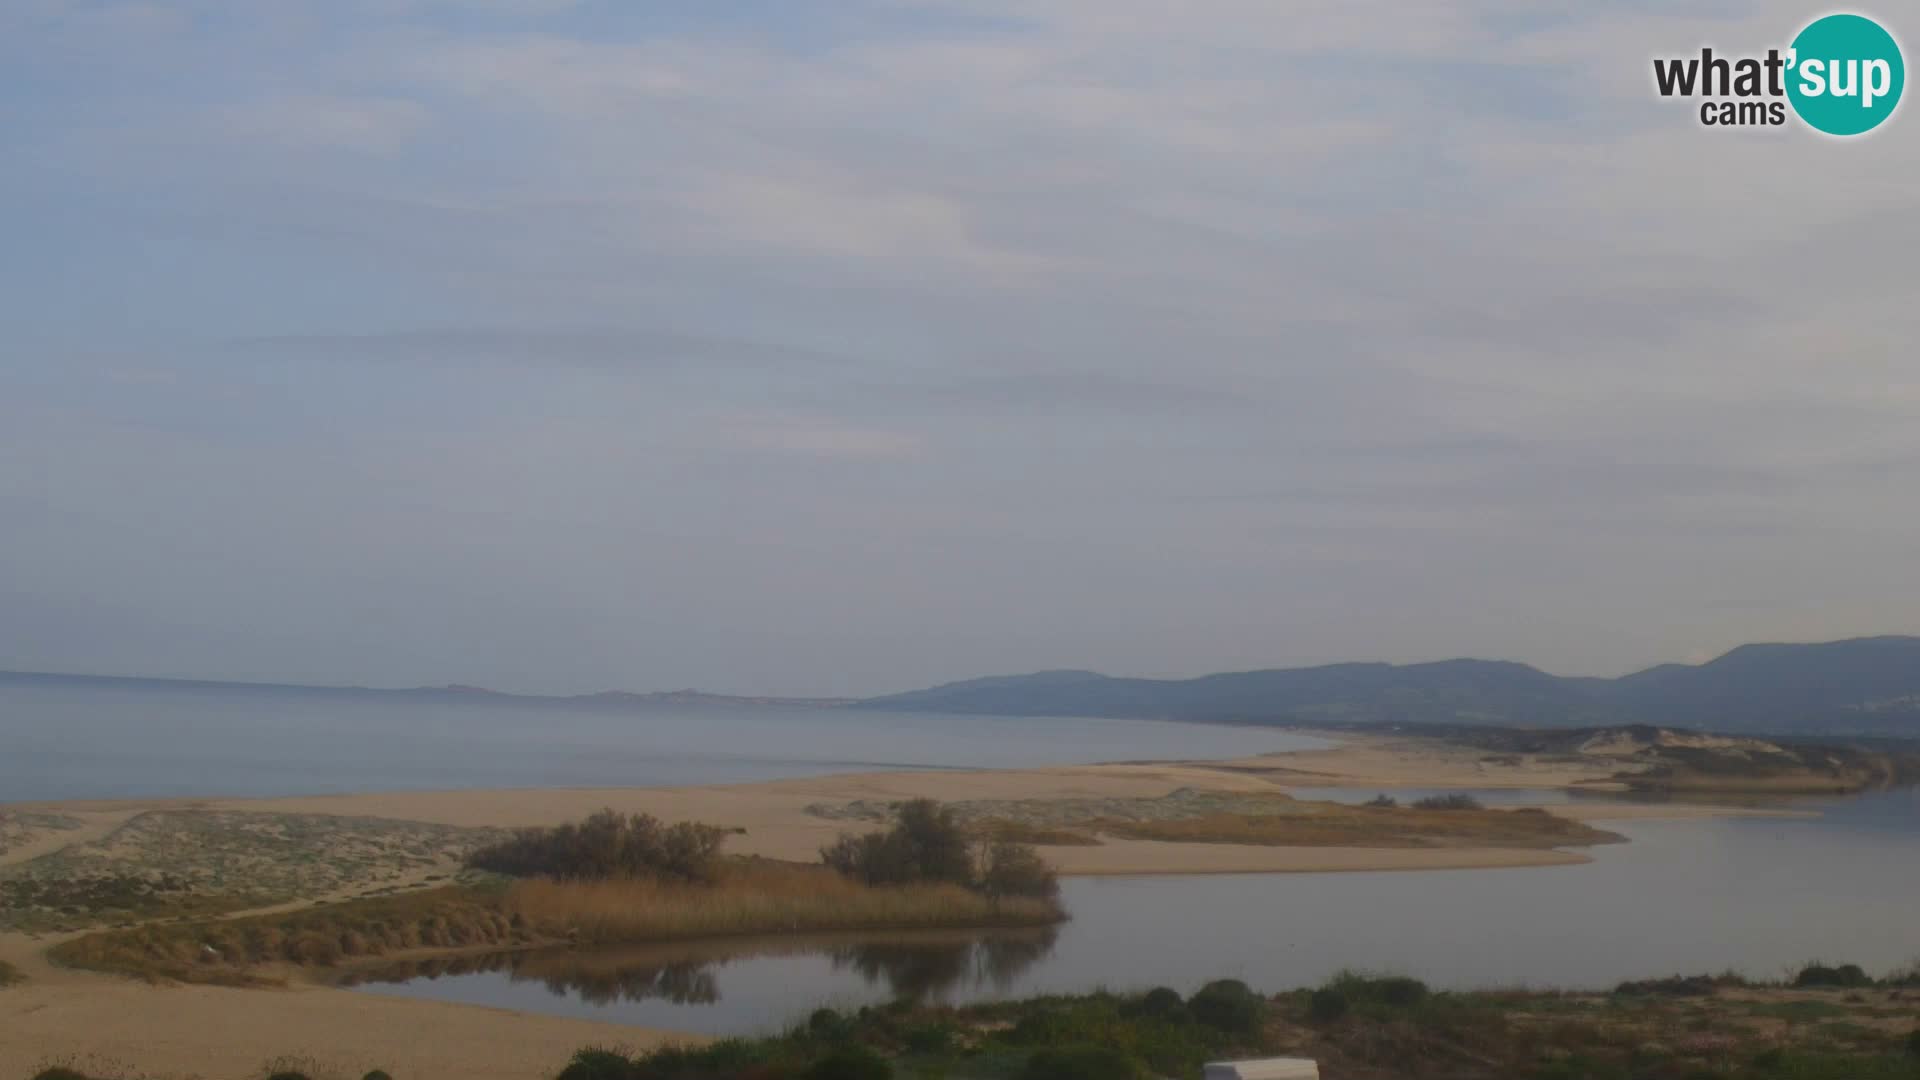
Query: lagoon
x=1756, y=895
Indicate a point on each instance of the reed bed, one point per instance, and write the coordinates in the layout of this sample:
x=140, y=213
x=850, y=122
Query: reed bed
x=749, y=897
x=756, y=899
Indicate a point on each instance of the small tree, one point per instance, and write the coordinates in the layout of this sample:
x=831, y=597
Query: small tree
x=935, y=843
x=926, y=844
x=1010, y=869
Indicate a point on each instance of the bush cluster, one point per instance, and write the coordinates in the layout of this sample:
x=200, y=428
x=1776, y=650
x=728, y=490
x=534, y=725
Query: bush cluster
x=1377, y=994
x=1228, y=1005
x=1846, y=975
x=928, y=845
x=1678, y=986
x=608, y=844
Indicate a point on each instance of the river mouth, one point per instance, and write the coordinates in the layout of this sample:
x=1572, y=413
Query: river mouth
x=1756, y=895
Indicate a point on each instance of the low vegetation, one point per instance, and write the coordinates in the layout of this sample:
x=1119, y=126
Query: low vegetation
x=611, y=880
x=1272, y=818
x=198, y=863
x=21, y=827
x=1357, y=1026
x=10, y=975
x=248, y=951
x=1021, y=832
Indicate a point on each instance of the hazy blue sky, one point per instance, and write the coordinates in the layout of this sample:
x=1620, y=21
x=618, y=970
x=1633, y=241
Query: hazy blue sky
x=834, y=348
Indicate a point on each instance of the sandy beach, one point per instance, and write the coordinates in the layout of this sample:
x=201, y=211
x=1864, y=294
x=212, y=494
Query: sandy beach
x=121, y=1028
x=58, y=1015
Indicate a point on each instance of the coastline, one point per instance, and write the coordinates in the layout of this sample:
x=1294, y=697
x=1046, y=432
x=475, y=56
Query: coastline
x=775, y=821
x=63, y=1015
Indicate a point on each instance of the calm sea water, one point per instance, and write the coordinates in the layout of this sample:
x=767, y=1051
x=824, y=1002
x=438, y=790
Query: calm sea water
x=1756, y=895
x=65, y=741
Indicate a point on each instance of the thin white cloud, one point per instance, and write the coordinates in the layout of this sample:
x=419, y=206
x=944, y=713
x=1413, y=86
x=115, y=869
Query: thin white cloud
x=1203, y=337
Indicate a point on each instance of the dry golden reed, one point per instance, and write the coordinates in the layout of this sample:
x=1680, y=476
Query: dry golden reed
x=757, y=899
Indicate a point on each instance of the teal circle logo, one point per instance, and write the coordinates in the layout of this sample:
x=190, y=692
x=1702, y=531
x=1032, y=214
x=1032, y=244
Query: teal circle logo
x=1845, y=74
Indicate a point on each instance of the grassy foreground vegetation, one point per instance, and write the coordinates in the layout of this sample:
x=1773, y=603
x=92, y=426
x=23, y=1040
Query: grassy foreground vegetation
x=9, y=975
x=1357, y=1026
x=611, y=880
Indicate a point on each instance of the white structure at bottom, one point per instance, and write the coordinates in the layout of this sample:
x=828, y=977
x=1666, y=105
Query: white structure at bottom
x=1267, y=1069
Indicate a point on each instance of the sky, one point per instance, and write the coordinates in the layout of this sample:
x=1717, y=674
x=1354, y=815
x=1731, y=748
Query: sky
x=851, y=347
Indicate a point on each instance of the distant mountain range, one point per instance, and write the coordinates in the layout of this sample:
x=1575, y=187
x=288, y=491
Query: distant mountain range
x=1861, y=687
x=607, y=700
x=1864, y=686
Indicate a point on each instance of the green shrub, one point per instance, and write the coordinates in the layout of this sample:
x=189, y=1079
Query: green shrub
x=1228, y=1005
x=1382, y=802
x=1913, y=1044
x=288, y=1075
x=1849, y=975
x=1391, y=991
x=926, y=844
x=59, y=1072
x=377, y=1074
x=594, y=1063
x=1671, y=986
x=1395, y=991
x=1010, y=869
x=1085, y=1062
x=1327, y=1005
x=608, y=844
x=1165, y=1003
x=851, y=1063
x=829, y=1026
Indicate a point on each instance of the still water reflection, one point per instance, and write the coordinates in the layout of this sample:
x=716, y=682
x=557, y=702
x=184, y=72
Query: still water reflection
x=730, y=986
